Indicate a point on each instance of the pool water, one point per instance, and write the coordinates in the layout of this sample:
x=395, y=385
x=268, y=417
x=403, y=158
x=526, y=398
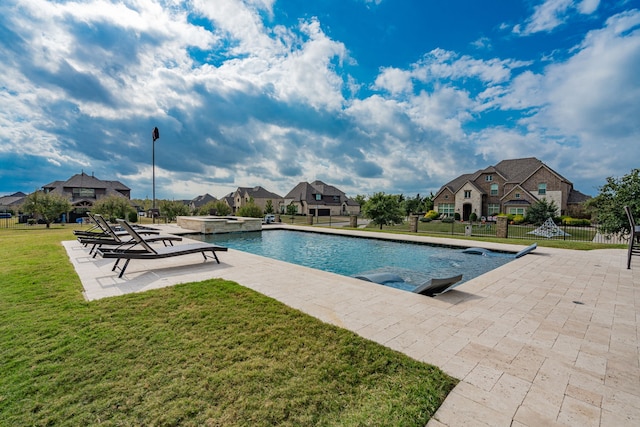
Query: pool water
x=351, y=256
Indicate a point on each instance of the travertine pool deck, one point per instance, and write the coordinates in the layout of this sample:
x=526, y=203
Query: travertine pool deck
x=551, y=338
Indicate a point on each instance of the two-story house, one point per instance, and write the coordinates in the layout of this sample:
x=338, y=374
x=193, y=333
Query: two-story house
x=320, y=199
x=258, y=195
x=84, y=190
x=509, y=187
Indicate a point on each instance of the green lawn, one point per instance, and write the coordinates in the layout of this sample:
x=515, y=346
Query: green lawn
x=207, y=353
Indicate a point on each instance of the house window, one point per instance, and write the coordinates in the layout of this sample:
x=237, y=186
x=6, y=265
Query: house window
x=494, y=189
x=447, y=209
x=542, y=189
x=517, y=195
x=318, y=196
x=516, y=211
x=85, y=193
x=446, y=196
x=493, y=209
x=488, y=178
x=467, y=194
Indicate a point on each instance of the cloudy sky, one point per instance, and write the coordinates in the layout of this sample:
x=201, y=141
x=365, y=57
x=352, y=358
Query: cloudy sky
x=399, y=96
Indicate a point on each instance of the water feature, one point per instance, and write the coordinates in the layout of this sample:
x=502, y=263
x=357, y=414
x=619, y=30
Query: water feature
x=350, y=256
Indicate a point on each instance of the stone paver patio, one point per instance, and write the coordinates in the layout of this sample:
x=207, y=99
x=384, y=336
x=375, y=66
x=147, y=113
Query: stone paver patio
x=551, y=338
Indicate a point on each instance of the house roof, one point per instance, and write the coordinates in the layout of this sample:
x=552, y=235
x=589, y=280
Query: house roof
x=577, y=197
x=82, y=180
x=305, y=192
x=512, y=170
x=258, y=192
x=12, y=199
x=202, y=200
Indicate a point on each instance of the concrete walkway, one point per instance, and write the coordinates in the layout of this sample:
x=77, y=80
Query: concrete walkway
x=551, y=338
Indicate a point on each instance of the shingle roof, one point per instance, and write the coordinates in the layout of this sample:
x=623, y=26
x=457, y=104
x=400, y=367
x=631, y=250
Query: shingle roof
x=259, y=193
x=305, y=191
x=82, y=180
x=202, y=200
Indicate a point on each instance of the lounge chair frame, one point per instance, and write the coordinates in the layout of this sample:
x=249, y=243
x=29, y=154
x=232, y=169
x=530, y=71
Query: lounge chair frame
x=634, y=237
x=121, y=240
x=143, y=250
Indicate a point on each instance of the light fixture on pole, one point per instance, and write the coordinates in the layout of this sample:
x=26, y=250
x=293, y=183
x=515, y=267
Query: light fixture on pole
x=155, y=135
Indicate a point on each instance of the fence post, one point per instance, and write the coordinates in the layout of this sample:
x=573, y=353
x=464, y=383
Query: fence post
x=353, y=221
x=502, y=227
x=413, y=223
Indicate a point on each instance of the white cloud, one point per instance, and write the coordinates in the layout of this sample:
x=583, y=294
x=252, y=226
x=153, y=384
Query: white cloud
x=553, y=13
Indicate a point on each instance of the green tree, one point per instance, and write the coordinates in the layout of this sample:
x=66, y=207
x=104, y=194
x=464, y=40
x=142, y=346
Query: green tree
x=413, y=205
x=113, y=207
x=540, y=211
x=607, y=207
x=46, y=206
x=222, y=208
x=292, y=210
x=250, y=210
x=383, y=209
x=268, y=209
x=172, y=209
x=360, y=199
x=207, y=208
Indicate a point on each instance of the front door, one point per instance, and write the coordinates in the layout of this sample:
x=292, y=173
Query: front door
x=466, y=211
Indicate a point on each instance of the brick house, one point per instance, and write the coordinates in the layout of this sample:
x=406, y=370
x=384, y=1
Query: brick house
x=259, y=195
x=320, y=199
x=84, y=190
x=510, y=187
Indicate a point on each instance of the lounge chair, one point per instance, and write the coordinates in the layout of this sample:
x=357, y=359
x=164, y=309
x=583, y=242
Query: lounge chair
x=122, y=239
x=101, y=228
x=143, y=250
x=437, y=286
x=634, y=237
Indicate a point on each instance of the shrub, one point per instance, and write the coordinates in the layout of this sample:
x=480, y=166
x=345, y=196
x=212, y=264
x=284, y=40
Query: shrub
x=431, y=215
x=518, y=219
x=133, y=216
x=456, y=216
x=425, y=219
x=576, y=222
x=448, y=220
x=473, y=217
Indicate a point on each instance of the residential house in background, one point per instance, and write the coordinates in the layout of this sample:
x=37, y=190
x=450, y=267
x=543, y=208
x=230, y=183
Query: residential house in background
x=320, y=199
x=510, y=187
x=199, y=201
x=84, y=190
x=259, y=195
x=12, y=202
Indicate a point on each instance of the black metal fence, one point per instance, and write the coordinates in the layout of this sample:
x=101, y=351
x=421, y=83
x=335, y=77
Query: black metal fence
x=516, y=231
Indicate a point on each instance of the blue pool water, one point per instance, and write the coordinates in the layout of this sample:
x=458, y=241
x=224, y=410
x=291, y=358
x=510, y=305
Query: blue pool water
x=351, y=256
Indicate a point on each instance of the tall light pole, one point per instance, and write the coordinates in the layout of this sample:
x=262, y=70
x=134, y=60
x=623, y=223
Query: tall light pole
x=155, y=135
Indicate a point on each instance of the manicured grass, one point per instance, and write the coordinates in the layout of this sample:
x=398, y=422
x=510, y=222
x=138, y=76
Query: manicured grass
x=207, y=353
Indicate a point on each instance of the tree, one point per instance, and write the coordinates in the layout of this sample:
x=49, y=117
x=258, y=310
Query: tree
x=207, y=208
x=541, y=210
x=360, y=199
x=383, y=209
x=250, y=210
x=46, y=206
x=608, y=206
x=292, y=210
x=172, y=209
x=268, y=209
x=113, y=207
x=222, y=208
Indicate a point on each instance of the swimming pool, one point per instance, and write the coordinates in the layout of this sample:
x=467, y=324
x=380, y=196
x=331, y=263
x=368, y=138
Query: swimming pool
x=351, y=256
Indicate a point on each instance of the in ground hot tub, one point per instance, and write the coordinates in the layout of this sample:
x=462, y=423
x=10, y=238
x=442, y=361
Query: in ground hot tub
x=219, y=224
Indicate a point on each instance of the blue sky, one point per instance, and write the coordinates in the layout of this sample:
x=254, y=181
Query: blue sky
x=399, y=96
